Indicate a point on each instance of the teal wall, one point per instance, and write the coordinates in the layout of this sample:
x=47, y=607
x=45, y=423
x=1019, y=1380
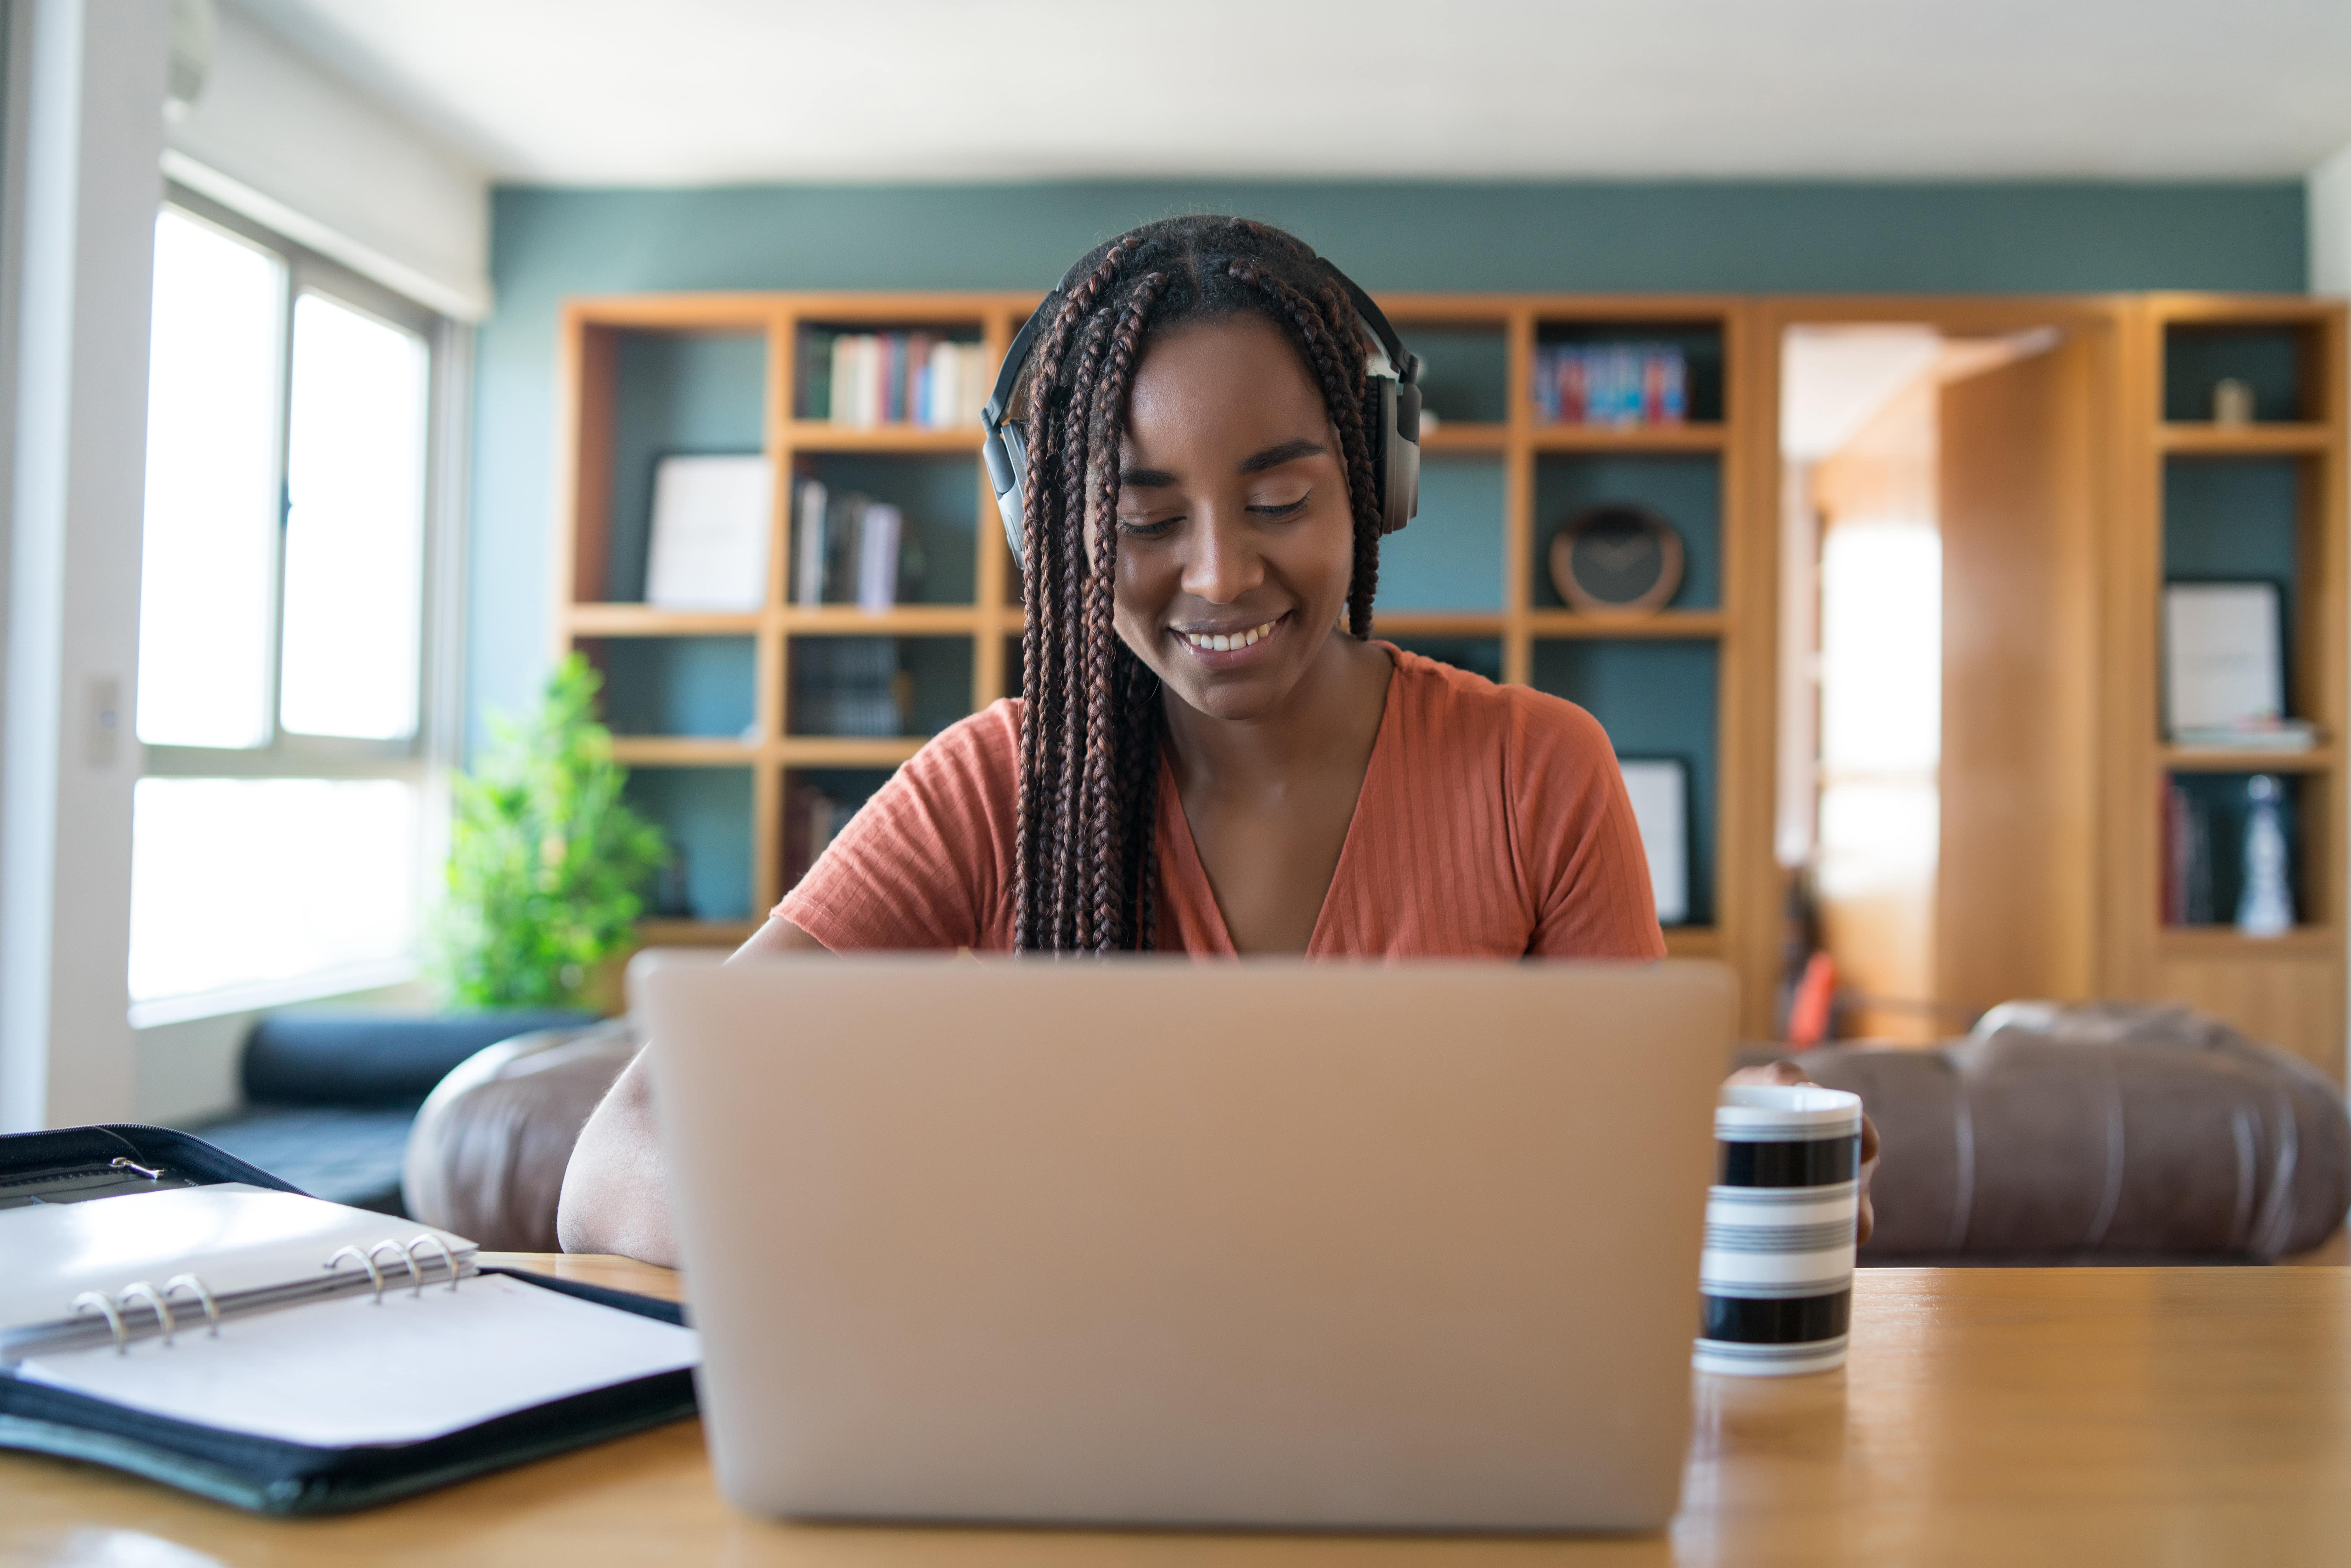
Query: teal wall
x=1748, y=237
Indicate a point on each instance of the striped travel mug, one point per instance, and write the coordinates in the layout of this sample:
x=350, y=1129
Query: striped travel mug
x=1775, y=1282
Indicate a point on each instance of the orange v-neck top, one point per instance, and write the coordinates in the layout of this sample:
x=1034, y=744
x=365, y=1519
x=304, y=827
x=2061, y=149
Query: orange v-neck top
x=1492, y=822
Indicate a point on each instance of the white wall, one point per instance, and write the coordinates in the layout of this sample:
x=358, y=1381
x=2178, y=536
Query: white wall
x=85, y=93
x=292, y=146
x=2330, y=225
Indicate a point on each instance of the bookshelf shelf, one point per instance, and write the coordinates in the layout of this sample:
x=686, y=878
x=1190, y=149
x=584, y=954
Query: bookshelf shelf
x=846, y=750
x=2184, y=759
x=2302, y=944
x=1663, y=624
x=1437, y=624
x=1629, y=438
x=2280, y=440
x=1449, y=437
x=817, y=436
x=1472, y=557
x=661, y=932
x=904, y=619
x=682, y=751
x=645, y=621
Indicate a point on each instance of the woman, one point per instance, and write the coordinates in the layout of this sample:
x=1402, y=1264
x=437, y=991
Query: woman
x=1201, y=760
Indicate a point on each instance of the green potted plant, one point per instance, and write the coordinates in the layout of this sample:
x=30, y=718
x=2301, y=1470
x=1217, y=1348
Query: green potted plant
x=547, y=865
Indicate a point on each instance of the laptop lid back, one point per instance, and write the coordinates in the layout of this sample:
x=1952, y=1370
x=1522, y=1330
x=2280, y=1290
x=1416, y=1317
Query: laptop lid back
x=1163, y=1242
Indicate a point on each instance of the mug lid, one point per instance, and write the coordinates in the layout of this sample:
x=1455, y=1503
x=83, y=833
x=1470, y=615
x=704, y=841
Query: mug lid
x=1776, y=1112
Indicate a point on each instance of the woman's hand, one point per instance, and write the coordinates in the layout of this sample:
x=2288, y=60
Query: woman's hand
x=1786, y=1072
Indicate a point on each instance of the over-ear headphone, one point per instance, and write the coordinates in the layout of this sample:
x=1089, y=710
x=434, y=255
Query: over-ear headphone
x=1391, y=418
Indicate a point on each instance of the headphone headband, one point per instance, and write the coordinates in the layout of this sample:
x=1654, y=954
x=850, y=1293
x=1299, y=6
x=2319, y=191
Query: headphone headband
x=1016, y=358
x=1391, y=415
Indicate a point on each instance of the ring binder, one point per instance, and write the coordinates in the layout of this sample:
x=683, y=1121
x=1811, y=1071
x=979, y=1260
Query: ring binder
x=90, y=1299
x=154, y=1299
x=448, y=1258
x=139, y=1308
x=375, y=1275
x=406, y=1261
x=189, y=1282
x=443, y=1249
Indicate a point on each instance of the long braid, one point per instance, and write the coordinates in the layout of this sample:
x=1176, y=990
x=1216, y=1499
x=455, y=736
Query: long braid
x=1087, y=872
x=1105, y=829
x=1139, y=782
x=1043, y=680
x=1313, y=323
x=1080, y=714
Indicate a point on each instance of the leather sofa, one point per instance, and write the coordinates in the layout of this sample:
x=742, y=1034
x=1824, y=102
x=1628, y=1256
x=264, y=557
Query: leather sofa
x=2098, y=1133
x=2102, y=1133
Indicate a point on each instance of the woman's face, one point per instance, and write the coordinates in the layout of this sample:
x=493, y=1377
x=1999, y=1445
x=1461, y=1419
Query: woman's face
x=1236, y=541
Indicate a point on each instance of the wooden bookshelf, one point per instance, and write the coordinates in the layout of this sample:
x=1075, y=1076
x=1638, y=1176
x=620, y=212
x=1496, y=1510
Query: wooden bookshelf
x=1491, y=473
x=1468, y=581
x=2174, y=462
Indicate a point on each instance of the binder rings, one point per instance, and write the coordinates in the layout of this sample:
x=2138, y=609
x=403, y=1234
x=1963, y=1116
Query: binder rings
x=169, y=1310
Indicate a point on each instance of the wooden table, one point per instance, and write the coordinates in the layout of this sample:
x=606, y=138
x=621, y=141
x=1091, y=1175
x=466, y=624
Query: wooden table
x=1989, y=1415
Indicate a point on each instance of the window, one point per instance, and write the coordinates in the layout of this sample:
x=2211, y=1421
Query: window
x=277, y=840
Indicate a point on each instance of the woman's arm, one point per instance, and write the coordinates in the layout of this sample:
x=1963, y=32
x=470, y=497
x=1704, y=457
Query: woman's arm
x=616, y=1190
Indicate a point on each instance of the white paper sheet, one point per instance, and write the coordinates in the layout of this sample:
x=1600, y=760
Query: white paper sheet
x=2222, y=668
x=710, y=533
x=1658, y=789
x=232, y=1236
x=350, y=1373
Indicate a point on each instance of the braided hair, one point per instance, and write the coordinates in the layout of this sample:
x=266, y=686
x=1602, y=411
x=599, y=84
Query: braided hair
x=1087, y=877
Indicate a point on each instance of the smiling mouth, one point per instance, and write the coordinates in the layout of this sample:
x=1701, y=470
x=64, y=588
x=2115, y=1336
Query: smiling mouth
x=1226, y=641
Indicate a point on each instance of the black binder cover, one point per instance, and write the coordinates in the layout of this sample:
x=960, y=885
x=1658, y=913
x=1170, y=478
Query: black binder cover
x=269, y=1476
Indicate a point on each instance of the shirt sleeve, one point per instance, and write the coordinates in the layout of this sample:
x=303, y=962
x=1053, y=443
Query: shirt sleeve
x=1582, y=848
x=927, y=863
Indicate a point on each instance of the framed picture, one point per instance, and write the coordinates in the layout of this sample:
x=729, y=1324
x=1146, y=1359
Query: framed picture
x=2223, y=665
x=710, y=528
x=1660, y=790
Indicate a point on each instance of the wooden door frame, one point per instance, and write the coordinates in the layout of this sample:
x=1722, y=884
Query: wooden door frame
x=2124, y=673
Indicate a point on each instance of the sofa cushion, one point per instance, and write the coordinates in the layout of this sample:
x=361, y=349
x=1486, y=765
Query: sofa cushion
x=328, y=1058
x=2097, y=1133
x=486, y=1156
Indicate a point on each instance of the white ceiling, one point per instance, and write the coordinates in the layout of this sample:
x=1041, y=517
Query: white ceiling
x=709, y=91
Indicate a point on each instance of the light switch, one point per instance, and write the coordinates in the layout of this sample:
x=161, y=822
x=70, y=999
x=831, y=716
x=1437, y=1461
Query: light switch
x=103, y=721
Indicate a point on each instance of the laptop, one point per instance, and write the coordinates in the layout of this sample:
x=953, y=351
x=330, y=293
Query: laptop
x=1156, y=1242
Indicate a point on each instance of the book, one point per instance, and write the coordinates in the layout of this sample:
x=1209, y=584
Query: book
x=809, y=553
x=2276, y=734
x=849, y=549
x=710, y=525
x=1617, y=385
x=2187, y=869
x=916, y=377
x=847, y=686
x=880, y=528
x=264, y=1348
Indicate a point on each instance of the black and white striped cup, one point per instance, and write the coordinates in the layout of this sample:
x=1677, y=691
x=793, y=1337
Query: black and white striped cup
x=1776, y=1280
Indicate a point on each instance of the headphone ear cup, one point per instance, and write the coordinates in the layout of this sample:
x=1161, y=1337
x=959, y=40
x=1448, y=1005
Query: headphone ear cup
x=1006, y=453
x=1395, y=451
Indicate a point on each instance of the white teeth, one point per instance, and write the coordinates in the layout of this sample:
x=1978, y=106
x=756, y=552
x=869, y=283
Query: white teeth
x=1225, y=641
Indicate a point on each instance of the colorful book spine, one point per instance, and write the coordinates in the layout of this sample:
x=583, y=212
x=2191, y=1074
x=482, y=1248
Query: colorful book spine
x=1617, y=385
x=862, y=380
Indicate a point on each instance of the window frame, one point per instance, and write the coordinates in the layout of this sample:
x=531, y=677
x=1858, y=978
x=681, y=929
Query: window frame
x=422, y=759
